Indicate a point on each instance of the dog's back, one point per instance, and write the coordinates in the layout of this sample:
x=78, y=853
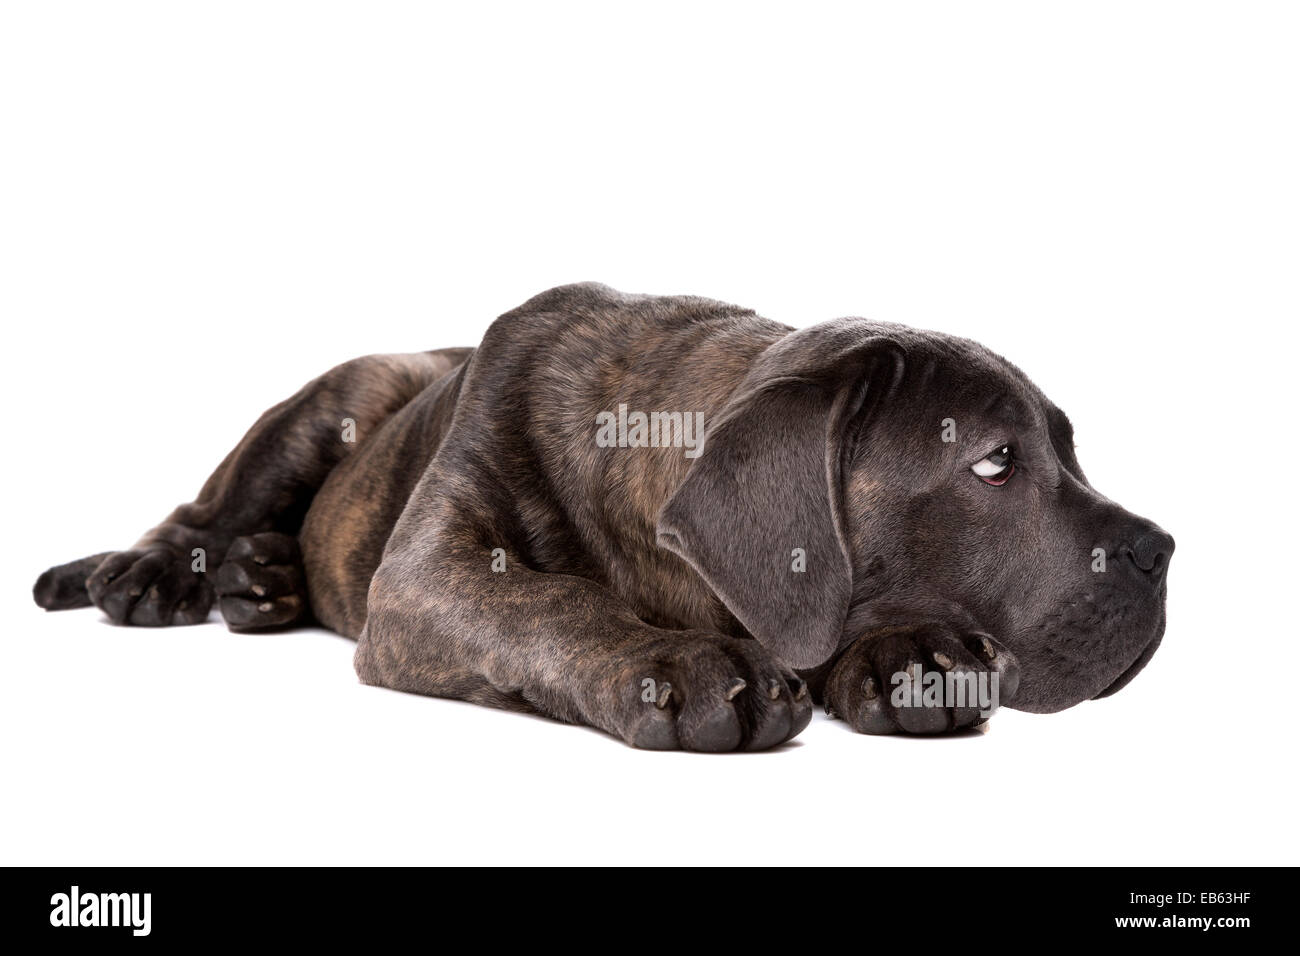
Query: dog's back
x=527, y=404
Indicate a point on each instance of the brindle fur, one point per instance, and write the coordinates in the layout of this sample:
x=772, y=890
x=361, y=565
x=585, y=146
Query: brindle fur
x=636, y=568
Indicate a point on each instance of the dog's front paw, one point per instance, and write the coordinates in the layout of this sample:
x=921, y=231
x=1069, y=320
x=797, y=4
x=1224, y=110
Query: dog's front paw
x=260, y=583
x=154, y=587
x=927, y=679
x=707, y=692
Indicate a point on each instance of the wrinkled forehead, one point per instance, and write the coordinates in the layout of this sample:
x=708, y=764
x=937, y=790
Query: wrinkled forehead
x=959, y=379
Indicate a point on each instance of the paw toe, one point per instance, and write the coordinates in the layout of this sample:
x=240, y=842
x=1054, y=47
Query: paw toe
x=716, y=730
x=254, y=614
x=656, y=731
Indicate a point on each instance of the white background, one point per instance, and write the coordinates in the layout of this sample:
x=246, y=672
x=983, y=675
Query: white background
x=203, y=206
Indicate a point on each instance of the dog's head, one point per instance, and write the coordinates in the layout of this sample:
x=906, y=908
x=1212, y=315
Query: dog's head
x=867, y=474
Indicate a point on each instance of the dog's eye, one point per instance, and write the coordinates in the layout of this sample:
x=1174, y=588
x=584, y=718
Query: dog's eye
x=997, y=467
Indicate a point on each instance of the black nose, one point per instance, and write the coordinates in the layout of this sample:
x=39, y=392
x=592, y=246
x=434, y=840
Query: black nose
x=1150, y=552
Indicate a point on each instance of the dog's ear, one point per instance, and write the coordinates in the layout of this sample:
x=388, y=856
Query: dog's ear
x=760, y=512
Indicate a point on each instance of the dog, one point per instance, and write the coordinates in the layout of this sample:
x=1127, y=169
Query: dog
x=500, y=525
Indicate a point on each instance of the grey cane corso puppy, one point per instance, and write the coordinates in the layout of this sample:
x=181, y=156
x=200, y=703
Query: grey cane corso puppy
x=500, y=525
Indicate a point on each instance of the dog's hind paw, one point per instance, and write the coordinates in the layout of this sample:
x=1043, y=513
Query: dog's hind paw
x=928, y=679
x=260, y=584
x=153, y=587
x=64, y=586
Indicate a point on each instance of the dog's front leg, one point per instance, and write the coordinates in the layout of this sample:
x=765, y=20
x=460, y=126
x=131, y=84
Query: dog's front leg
x=449, y=617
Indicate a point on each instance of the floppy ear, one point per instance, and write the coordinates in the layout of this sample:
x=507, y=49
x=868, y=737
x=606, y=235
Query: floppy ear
x=768, y=487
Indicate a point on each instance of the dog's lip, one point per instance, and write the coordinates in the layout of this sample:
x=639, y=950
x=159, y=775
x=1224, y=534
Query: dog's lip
x=1147, y=652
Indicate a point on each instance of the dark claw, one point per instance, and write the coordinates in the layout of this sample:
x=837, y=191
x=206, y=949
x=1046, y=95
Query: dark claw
x=735, y=687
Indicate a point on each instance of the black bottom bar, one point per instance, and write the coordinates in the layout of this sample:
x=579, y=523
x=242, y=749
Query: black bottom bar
x=936, y=907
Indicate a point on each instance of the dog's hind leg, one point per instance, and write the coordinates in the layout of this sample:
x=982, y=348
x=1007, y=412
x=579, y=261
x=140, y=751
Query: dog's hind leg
x=254, y=502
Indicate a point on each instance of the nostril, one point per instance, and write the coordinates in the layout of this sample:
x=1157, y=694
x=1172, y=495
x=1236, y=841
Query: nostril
x=1157, y=566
